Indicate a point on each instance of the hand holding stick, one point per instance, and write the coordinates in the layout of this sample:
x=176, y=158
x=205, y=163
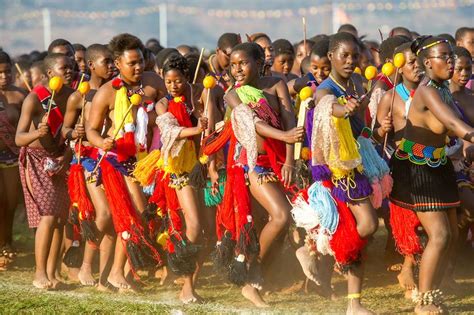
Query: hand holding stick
x=305, y=94
x=398, y=61
x=84, y=88
x=55, y=84
x=135, y=100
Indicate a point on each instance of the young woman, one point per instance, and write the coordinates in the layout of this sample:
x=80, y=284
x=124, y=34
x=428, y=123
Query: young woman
x=261, y=132
x=424, y=179
x=179, y=122
x=338, y=201
x=411, y=74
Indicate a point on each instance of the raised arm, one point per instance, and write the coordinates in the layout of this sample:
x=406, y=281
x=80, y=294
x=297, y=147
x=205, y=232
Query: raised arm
x=445, y=114
x=162, y=109
x=23, y=135
x=264, y=129
x=338, y=110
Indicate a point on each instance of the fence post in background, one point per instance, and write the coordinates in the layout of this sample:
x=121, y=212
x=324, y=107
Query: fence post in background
x=163, y=25
x=46, y=28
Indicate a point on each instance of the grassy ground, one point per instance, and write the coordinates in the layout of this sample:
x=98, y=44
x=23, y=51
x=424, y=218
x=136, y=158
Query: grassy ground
x=382, y=293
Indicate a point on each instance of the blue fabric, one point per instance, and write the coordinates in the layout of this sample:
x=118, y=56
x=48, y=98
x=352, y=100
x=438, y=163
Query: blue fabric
x=357, y=124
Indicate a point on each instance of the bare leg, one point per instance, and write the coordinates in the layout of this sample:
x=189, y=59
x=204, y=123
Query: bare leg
x=3, y=212
x=54, y=251
x=104, y=231
x=188, y=200
x=117, y=276
x=367, y=223
x=273, y=199
x=436, y=225
x=137, y=195
x=308, y=264
x=446, y=270
x=11, y=183
x=117, y=273
x=43, y=238
x=406, y=278
x=85, y=273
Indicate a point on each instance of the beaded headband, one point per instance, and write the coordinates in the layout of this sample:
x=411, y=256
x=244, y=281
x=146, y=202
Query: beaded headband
x=431, y=45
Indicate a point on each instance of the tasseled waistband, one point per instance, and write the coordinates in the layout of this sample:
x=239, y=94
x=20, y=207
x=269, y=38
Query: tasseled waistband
x=421, y=154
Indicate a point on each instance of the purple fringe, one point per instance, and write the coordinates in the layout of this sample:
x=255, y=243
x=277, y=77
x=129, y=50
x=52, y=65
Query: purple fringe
x=321, y=172
x=362, y=190
x=309, y=125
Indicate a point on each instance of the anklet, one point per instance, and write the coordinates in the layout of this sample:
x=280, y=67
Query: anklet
x=432, y=297
x=353, y=296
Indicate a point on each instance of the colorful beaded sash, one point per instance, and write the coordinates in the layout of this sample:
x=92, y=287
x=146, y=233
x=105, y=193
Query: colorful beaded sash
x=421, y=154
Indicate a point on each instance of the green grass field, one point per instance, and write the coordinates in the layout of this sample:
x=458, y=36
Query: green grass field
x=382, y=293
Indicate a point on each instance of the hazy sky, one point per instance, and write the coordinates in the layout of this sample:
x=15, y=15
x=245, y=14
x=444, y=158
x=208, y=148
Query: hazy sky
x=201, y=22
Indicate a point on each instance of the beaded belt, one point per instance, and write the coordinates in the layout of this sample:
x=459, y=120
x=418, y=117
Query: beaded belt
x=421, y=154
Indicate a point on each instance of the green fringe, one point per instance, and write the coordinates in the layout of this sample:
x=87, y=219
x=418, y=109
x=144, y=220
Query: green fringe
x=213, y=200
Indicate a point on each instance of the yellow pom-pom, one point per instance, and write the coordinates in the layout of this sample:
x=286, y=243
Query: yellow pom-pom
x=84, y=88
x=305, y=93
x=55, y=83
x=209, y=82
x=162, y=238
x=80, y=216
x=388, y=69
x=136, y=99
x=305, y=153
x=357, y=70
x=399, y=60
x=203, y=159
x=370, y=72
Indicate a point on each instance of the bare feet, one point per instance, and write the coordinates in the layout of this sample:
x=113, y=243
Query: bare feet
x=355, y=308
x=161, y=273
x=430, y=309
x=72, y=274
x=188, y=296
x=407, y=281
x=41, y=281
x=252, y=294
x=119, y=281
x=308, y=263
x=56, y=284
x=85, y=275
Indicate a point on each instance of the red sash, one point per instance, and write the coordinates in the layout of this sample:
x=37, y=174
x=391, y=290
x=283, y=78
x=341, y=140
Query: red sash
x=55, y=118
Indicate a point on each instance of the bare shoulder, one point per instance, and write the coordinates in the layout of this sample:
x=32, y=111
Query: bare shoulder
x=320, y=93
x=161, y=106
x=75, y=99
x=152, y=79
x=31, y=102
x=15, y=95
x=269, y=82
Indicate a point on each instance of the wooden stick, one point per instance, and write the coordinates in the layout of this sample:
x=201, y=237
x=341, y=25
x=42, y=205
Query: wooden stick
x=80, y=81
x=50, y=103
x=82, y=122
x=205, y=111
x=390, y=112
x=304, y=37
x=114, y=138
x=22, y=77
x=300, y=123
x=198, y=65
